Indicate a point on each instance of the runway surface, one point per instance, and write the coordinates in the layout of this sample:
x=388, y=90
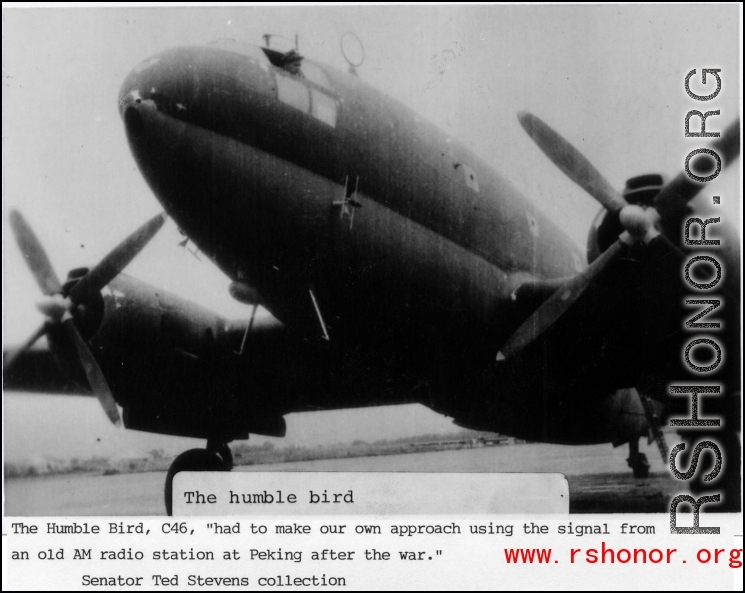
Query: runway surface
x=599, y=480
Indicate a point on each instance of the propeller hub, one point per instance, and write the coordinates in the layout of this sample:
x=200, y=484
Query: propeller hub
x=635, y=221
x=80, y=293
x=54, y=307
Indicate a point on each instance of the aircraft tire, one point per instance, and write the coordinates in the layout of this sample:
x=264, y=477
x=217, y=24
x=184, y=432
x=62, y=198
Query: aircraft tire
x=640, y=466
x=193, y=460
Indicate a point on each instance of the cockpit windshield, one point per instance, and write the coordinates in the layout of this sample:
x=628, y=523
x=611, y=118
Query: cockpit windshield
x=303, y=85
x=316, y=75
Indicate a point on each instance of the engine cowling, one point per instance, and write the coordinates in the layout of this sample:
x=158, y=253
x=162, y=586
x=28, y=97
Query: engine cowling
x=172, y=365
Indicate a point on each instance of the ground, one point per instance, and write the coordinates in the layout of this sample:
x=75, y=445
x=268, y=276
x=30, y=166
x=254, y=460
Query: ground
x=599, y=480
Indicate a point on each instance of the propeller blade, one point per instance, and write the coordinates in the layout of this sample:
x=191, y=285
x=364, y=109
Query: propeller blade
x=115, y=261
x=571, y=161
x=34, y=253
x=13, y=356
x=727, y=146
x=638, y=223
x=681, y=189
x=545, y=315
x=93, y=372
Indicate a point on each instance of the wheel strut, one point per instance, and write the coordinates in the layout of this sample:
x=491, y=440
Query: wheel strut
x=216, y=457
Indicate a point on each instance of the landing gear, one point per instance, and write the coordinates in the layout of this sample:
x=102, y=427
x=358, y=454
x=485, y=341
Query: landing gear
x=217, y=457
x=637, y=461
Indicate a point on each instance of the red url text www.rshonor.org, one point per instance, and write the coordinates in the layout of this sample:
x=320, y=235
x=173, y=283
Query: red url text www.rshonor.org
x=608, y=555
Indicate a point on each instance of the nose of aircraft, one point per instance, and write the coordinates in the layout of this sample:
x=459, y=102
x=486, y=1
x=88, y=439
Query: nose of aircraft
x=184, y=106
x=165, y=83
x=226, y=89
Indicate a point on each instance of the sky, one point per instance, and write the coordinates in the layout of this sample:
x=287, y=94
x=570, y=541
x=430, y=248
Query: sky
x=609, y=78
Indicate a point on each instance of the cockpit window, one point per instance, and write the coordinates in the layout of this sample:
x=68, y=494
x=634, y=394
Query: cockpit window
x=303, y=85
x=324, y=107
x=293, y=92
x=315, y=74
x=293, y=86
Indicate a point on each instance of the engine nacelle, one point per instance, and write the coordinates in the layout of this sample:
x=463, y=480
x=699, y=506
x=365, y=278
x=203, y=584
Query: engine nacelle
x=173, y=366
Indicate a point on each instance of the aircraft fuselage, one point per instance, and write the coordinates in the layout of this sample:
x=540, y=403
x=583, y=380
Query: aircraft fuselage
x=254, y=163
x=356, y=220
